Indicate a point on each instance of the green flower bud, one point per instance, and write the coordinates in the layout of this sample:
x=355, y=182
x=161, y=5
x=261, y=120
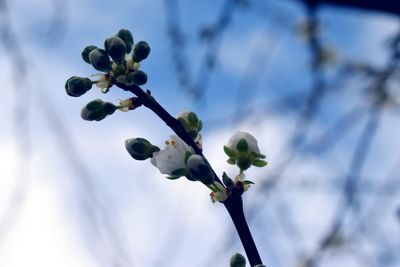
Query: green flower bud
x=115, y=48
x=137, y=77
x=238, y=260
x=92, y=115
x=97, y=110
x=109, y=108
x=95, y=104
x=100, y=60
x=200, y=170
x=127, y=37
x=77, y=86
x=190, y=122
x=140, y=51
x=140, y=148
x=86, y=51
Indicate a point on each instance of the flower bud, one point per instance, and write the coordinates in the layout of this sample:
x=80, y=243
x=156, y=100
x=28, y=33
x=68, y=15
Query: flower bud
x=95, y=104
x=238, y=260
x=127, y=37
x=242, y=141
x=97, y=110
x=140, y=148
x=86, y=51
x=109, y=108
x=190, y=122
x=137, y=77
x=115, y=48
x=140, y=51
x=243, y=151
x=77, y=86
x=200, y=170
x=100, y=60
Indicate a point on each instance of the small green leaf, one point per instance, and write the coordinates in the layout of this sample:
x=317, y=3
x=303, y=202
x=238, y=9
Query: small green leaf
x=227, y=181
x=259, y=163
x=229, y=152
x=242, y=145
x=231, y=161
x=246, y=182
x=258, y=155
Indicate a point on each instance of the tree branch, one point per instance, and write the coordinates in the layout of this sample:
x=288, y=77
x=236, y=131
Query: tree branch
x=391, y=7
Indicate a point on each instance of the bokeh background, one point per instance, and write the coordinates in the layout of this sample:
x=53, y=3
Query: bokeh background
x=317, y=86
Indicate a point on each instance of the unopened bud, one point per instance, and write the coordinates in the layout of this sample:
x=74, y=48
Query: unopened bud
x=141, y=51
x=200, y=169
x=140, y=148
x=97, y=110
x=238, y=260
x=86, y=51
x=190, y=122
x=115, y=48
x=77, y=86
x=137, y=77
x=100, y=60
x=127, y=37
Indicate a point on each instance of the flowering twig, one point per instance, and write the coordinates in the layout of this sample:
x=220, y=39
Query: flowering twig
x=183, y=155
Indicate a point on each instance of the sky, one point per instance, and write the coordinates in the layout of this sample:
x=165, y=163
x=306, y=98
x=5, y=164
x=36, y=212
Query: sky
x=70, y=195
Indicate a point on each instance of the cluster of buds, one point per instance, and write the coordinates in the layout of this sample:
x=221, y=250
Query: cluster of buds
x=124, y=65
x=119, y=61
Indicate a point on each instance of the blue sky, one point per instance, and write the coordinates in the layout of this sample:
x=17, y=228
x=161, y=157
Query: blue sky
x=92, y=205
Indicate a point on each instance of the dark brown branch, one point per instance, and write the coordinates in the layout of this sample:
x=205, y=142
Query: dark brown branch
x=386, y=6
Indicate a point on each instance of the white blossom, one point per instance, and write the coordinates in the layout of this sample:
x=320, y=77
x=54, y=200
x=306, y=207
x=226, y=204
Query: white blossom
x=172, y=157
x=251, y=142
